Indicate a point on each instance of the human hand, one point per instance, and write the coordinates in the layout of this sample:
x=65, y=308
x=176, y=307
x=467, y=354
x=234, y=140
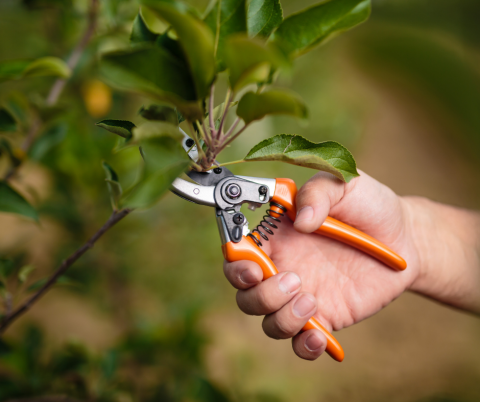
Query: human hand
x=320, y=277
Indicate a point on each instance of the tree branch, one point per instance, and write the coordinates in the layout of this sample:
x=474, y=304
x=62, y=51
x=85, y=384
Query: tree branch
x=59, y=85
x=77, y=52
x=229, y=140
x=67, y=263
x=228, y=99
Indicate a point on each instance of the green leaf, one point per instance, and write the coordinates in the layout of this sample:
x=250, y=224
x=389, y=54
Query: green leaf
x=7, y=267
x=45, y=66
x=251, y=61
x=18, y=104
x=196, y=39
x=154, y=72
x=11, y=201
x=140, y=31
x=24, y=272
x=154, y=129
x=180, y=117
x=254, y=106
x=7, y=121
x=263, y=17
x=165, y=160
x=48, y=140
x=114, y=187
x=328, y=156
x=302, y=31
x=225, y=18
x=123, y=128
x=159, y=113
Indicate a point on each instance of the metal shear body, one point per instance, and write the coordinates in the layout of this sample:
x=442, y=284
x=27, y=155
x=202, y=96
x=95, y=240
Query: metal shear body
x=226, y=192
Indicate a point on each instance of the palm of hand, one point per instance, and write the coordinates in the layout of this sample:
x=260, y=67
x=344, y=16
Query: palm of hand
x=348, y=284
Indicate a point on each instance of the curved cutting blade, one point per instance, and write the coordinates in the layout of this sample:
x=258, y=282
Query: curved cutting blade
x=210, y=178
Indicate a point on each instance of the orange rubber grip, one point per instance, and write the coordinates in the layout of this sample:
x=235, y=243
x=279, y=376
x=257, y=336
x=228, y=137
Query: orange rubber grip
x=285, y=193
x=246, y=249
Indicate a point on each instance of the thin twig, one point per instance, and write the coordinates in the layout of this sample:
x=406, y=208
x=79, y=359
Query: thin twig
x=232, y=128
x=210, y=109
x=67, y=263
x=224, y=114
x=227, y=163
x=77, y=52
x=233, y=137
x=201, y=153
x=208, y=135
x=59, y=84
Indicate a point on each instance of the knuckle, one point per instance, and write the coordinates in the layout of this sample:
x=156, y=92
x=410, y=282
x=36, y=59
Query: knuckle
x=307, y=189
x=278, y=328
x=284, y=329
x=263, y=302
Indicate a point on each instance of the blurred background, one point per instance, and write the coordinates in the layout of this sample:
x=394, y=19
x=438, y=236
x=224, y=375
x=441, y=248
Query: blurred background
x=147, y=315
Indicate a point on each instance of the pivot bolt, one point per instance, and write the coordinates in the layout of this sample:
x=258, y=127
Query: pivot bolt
x=233, y=191
x=263, y=190
x=189, y=142
x=238, y=219
x=217, y=170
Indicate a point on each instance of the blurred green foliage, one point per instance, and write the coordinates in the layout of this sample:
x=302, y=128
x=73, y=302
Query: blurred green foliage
x=157, y=276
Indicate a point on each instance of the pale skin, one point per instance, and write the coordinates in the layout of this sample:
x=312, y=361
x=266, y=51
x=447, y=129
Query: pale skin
x=341, y=286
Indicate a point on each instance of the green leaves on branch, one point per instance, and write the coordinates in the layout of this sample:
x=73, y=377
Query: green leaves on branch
x=300, y=32
x=25, y=272
x=11, y=201
x=254, y=106
x=155, y=72
x=153, y=129
x=251, y=61
x=123, y=128
x=328, y=156
x=165, y=160
x=263, y=17
x=159, y=113
x=140, y=32
x=225, y=18
x=7, y=121
x=196, y=40
x=114, y=187
x=217, y=113
x=45, y=66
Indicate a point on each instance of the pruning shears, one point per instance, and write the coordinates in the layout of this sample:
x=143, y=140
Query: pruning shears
x=221, y=189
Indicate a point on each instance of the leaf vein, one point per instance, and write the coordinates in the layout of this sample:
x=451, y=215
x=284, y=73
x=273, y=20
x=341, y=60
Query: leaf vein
x=290, y=143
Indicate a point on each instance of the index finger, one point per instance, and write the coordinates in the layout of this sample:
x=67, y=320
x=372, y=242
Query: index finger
x=243, y=274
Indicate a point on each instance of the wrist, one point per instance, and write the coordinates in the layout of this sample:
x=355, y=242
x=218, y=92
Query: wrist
x=446, y=241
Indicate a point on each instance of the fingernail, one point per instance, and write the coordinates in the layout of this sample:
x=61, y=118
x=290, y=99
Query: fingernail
x=289, y=283
x=305, y=214
x=248, y=278
x=313, y=343
x=304, y=305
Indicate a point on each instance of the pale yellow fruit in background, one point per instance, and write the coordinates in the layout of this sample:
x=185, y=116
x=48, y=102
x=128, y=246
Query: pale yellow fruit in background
x=97, y=97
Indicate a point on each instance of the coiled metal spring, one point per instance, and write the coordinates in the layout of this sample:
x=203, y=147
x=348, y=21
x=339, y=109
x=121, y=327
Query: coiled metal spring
x=278, y=211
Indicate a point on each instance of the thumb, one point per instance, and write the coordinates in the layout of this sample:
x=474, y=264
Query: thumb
x=315, y=199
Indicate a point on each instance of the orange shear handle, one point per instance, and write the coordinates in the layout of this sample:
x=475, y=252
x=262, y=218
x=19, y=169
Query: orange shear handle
x=246, y=249
x=285, y=193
